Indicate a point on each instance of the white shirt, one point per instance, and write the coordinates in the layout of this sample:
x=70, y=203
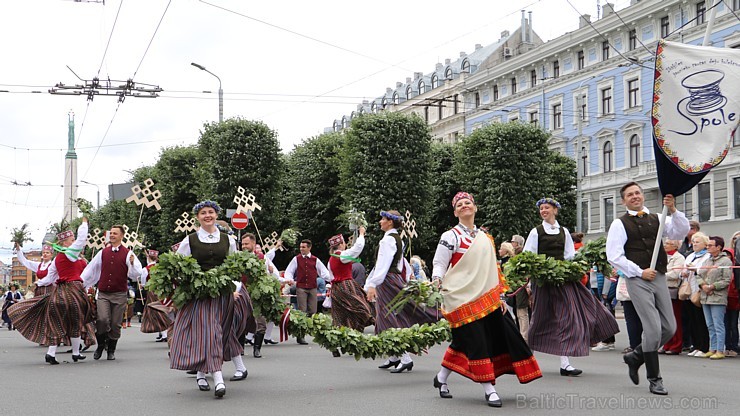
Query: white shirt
x=145, y=272
x=91, y=274
x=34, y=266
x=353, y=251
x=204, y=237
x=78, y=244
x=386, y=252
x=676, y=228
x=449, y=244
x=532, y=243
x=320, y=268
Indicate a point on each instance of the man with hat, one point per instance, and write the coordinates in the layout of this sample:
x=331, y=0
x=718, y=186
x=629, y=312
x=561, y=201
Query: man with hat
x=111, y=269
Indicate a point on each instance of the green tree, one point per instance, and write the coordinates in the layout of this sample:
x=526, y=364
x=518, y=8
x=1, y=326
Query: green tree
x=508, y=167
x=312, y=189
x=444, y=186
x=386, y=165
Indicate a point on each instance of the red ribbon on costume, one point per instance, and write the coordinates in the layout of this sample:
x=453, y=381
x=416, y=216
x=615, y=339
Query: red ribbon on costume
x=284, y=322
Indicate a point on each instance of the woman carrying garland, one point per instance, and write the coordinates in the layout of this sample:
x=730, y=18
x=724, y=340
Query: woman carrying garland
x=389, y=276
x=60, y=316
x=349, y=307
x=202, y=330
x=41, y=268
x=486, y=342
x=568, y=319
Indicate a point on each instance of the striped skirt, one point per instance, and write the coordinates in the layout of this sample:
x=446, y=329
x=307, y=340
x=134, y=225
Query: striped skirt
x=408, y=316
x=349, y=306
x=155, y=317
x=42, y=290
x=200, y=334
x=567, y=319
x=490, y=347
x=55, y=318
x=242, y=313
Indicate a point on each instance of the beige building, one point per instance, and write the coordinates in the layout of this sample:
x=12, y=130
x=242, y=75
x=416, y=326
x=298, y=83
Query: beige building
x=22, y=275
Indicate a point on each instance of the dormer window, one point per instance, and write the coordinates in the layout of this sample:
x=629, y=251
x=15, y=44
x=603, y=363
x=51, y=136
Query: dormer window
x=465, y=67
x=422, y=87
x=435, y=81
x=448, y=73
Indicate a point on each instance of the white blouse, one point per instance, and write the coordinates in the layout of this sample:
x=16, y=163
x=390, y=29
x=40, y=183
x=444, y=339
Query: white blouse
x=386, y=252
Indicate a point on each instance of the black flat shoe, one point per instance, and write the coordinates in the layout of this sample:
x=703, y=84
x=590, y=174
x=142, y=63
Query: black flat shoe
x=445, y=394
x=336, y=354
x=390, y=364
x=51, y=360
x=302, y=341
x=402, y=367
x=248, y=341
x=270, y=342
x=85, y=348
x=202, y=387
x=220, y=390
x=191, y=372
x=161, y=340
x=493, y=403
x=76, y=358
x=239, y=377
x=570, y=373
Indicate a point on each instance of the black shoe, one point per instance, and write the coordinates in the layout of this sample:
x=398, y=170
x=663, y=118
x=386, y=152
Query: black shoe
x=634, y=361
x=248, y=341
x=85, y=348
x=241, y=377
x=402, y=367
x=159, y=336
x=220, y=390
x=79, y=357
x=390, y=364
x=493, y=403
x=101, y=340
x=652, y=368
x=570, y=373
x=112, y=349
x=69, y=351
x=201, y=387
x=445, y=394
x=191, y=372
x=270, y=342
x=336, y=353
x=257, y=353
x=164, y=339
x=51, y=360
x=302, y=341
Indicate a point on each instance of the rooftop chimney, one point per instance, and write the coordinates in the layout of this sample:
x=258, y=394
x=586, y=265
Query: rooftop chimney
x=478, y=46
x=523, y=28
x=408, y=80
x=584, y=20
x=463, y=54
x=505, y=34
x=607, y=9
x=438, y=66
x=447, y=61
x=529, y=30
x=399, y=84
x=417, y=75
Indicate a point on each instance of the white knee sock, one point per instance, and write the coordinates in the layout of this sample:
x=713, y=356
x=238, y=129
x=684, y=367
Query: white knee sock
x=164, y=333
x=238, y=363
x=443, y=374
x=268, y=330
x=488, y=387
x=218, y=377
x=406, y=358
x=52, y=350
x=201, y=377
x=76, y=343
x=565, y=363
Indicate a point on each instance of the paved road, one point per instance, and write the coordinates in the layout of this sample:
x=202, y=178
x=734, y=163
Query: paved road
x=306, y=380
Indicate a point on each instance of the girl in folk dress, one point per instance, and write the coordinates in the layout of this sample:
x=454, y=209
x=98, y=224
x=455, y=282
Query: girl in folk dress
x=41, y=268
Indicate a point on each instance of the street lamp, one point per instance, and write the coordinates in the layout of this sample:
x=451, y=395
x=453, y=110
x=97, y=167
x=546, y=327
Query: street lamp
x=220, y=91
x=96, y=187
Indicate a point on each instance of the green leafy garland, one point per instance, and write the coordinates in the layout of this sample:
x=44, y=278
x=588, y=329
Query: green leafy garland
x=594, y=253
x=391, y=342
x=543, y=270
x=20, y=235
x=423, y=294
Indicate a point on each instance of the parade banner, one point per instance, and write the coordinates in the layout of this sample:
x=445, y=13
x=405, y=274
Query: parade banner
x=695, y=114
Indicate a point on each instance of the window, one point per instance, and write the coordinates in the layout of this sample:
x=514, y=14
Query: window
x=584, y=161
x=634, y=151
x=422, y=87
x=632, y=44
x=435, y=81
x=384, y=103
x=606, y=101
x=608, y=211
x=736, y=5
x=448, y=73
x=605, y=50
x=426, y=113
x=373, y=107
x=345, y=123
x=584, y=216
x=495, y=93
x=408, y=92
x=665, y=26
x=439, y=110
x=736, y=190
x=477, y=100
x=396, y=98
x=557, y=116
x=633, y=93
x=556, y=68
x=701, y=11
x=584, y=107
x=465, y=67
x=533, y=77
x=581, y=60
x=533, y=117
x=513, y=85
x=705, y=203
x=608, y=152
x=454, y=104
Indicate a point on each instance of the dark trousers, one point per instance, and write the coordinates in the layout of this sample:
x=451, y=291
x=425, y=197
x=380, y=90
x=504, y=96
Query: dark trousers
x=731, y=330
x=634, y=325
x=697, y=326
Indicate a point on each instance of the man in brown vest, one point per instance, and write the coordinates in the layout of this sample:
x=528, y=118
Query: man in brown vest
x=629, y=248
x=304, y=269
x=111, y=269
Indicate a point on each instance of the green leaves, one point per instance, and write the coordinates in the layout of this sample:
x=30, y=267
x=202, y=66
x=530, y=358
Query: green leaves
x=594, y=253
x=20, y=235
x=542, y=270
x=420, y=292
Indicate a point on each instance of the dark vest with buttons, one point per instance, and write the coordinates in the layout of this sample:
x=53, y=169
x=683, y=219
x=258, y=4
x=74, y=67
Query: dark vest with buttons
x=209, y=255
x=551, y=245
x=113, y=270
x=641, y=234
x=306, y=273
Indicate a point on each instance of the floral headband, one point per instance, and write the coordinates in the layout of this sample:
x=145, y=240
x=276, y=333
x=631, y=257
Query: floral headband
x=550, y=201
x=390, y=216
x=462, y=195
x=207, y=203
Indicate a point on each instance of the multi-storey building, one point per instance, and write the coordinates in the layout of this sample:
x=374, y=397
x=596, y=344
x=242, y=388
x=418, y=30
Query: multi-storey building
x=592, y=90
x=5, y=273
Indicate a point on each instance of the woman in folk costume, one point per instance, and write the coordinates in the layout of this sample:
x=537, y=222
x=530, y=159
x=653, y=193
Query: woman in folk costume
x=41, y=268
x=389, y=276
x=60, y=316
x=156, y=316
x=486, y=342
x=349, y=306
x=200, y=338
x=568, y=319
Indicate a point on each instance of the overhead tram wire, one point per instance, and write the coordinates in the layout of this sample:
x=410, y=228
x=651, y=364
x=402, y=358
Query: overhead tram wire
x=105, y=53
x=107, y=130
x=688, y=22
x=729, y=7
x=152, y=39
x=637, y=38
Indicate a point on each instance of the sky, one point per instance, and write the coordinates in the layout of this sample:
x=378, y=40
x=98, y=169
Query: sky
x=294, y=65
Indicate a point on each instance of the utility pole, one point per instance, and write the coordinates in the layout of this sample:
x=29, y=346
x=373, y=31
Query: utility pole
x=220, y=91
x=579, y=174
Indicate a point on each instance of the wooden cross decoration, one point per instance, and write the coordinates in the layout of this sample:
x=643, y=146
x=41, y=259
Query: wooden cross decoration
x=245, y=202
x=185, y=223
x=270, y=241
x=96, y=239
x=149, y=195
x=131, y=239
x=409, y=227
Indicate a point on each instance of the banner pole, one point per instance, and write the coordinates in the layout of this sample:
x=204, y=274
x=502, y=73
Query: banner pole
x=710, y=23
x=659, y=237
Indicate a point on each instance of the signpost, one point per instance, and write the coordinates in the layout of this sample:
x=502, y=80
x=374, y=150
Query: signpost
x=239, y=220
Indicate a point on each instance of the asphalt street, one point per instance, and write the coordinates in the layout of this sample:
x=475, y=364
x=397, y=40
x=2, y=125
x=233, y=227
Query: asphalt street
x=292, y=379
